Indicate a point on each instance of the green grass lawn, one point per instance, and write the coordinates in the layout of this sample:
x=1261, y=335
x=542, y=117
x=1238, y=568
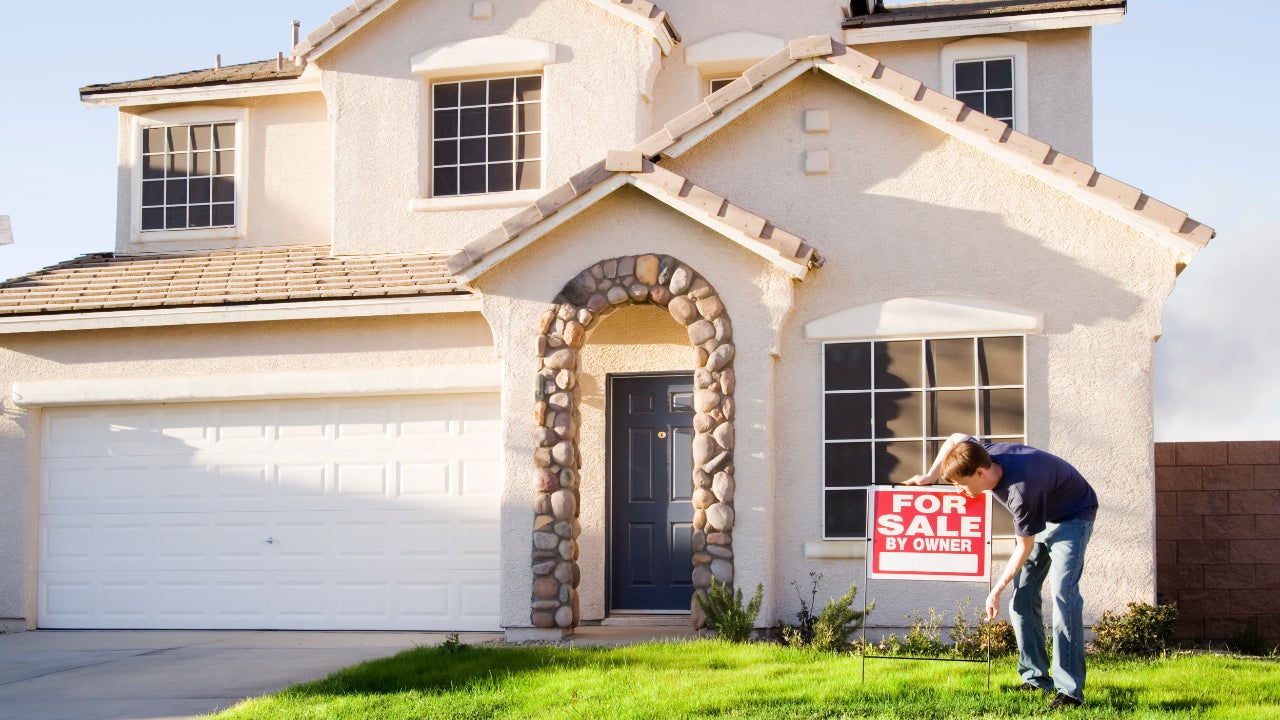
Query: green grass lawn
x=708, y=678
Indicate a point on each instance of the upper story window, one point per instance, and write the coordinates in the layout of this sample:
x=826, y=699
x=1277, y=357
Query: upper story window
x=889, y=405
x=188, y=176
x=486, y=135
x=989, y=74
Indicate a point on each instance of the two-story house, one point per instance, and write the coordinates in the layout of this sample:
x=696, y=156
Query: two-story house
x=527, y=314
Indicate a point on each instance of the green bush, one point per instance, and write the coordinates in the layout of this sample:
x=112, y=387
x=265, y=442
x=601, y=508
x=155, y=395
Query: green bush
x=970, y=638
x=830, y=629
x=1251, y=642
x=1143, y=629
x=725, y=613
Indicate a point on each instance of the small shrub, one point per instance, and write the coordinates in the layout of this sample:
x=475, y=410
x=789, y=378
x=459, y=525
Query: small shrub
x=1251, y=642
x=1143, y=629
x=830, y=628
x=922, y=639
x=453, y=644
x=725, y=613
x=970, y=638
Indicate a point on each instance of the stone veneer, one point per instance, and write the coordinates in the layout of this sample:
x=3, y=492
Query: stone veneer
x=562, y=330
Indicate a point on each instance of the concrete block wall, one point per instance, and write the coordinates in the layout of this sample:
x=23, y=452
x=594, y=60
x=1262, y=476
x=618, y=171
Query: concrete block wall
x=1218, y=536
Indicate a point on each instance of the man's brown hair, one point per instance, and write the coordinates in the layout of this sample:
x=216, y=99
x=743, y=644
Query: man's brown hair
x=964, y=460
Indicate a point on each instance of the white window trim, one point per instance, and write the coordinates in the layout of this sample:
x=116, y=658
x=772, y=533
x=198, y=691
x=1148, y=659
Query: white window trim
x=991, y=48
x=479, y=58
x=195, y=115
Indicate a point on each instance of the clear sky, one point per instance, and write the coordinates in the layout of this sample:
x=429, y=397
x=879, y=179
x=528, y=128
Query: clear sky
x=1183, y=108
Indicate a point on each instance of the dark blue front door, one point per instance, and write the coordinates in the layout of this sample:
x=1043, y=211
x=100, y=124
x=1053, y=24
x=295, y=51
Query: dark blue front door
x=651, y=489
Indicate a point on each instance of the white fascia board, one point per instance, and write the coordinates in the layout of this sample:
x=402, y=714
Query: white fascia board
x=166, y=96
x=736, y=109
x=1185, y=249
x=266, y=312
x=415, y=380
x=983, y=26
x=653, y=26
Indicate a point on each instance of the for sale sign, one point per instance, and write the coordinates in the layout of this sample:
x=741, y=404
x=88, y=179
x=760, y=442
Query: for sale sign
x=930, y=534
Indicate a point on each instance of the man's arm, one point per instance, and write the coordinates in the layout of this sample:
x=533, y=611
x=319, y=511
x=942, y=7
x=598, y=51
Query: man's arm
x=1021, y=552
x=935, y=470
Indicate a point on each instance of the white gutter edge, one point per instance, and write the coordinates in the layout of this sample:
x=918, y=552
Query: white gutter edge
x=982, y=26
x=199, y=93
x=265, y=312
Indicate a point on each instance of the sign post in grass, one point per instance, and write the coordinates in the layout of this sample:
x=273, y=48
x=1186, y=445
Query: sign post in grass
x=927, y=533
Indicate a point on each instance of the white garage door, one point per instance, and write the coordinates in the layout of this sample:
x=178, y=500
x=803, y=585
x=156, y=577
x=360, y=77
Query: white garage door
x=370, y=513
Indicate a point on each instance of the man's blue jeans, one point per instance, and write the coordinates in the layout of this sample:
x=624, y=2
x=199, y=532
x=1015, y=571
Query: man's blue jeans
x=1058, y=554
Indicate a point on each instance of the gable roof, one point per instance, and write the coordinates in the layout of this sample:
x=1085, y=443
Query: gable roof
x=863, y=72
x=106, y=281
x=933, y=12
x=345, y=22
x=254, y=72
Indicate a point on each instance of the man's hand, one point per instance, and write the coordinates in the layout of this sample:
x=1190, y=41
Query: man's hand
x=920, y=480
x=993, y=605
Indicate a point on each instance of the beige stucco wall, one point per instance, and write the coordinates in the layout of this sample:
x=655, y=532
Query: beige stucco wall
x=907, y=211
x=285, y=194
x=203, y=353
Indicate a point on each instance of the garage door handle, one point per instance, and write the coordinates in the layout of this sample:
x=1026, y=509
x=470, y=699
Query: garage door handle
x=269, y=540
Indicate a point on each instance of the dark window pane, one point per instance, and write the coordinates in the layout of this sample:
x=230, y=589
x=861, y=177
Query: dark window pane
x=199, y=189
x=847, y=464
x=177, y=165
x=681, y=402
x=1000, y=361
x=445, y=95
x=224, y=215
x=949, y=363
x=528, y=175
x=528, y=147
x=529, y=88
x=896, y=462
x=153, y=192
x=199, y=216
x=502, y=90
x=153, y=219
x=175, y=192
x=444, y=182
x=999, y=74
x=153, y=140
x=203, y=163
x=224, y=162
x=472, y=122
x=848, y=416
x=446, y=153
x=501, y=177
x=500, y=148
x=848, y=366
x=973, y=100
x=529, y=118
x=202, y=137
x=898, y=365
x=224, y=189
x=952, y=411
x=846, y=514
x=472, y=150
x=1000, y=104
x=446, y=124
x=501, y=119
x=474, y=92
x=969, y=76
x=175, y=218
x=471, y=179
x=153, y=166
x=1002, y=412
x=899, y=414
x=224, y=135
x=178, y=138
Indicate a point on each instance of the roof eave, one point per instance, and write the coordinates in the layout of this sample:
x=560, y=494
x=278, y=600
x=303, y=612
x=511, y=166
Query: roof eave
x=198, y=93
x=990, y=25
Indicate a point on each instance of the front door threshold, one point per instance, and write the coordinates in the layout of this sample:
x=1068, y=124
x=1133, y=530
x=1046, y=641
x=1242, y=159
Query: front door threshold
x=646, y=619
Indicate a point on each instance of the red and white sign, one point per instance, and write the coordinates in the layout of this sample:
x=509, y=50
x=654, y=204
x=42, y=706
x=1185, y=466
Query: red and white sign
x=930, y=534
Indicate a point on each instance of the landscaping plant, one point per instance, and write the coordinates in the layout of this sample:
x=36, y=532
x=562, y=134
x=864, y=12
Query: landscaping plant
x=726, y=614
x=830, y=629
x=1143, y=630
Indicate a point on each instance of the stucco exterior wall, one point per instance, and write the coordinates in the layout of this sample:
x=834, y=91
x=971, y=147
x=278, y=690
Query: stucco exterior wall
x=757, y=296
x=285, y=192
x=380, y=112
x=907, y=211
x=286, y=349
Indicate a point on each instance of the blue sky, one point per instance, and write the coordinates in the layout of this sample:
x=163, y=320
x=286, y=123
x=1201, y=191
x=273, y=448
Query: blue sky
x=1183, y=108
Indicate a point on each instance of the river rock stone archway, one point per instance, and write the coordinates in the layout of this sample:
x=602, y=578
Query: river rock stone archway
x=562, y=330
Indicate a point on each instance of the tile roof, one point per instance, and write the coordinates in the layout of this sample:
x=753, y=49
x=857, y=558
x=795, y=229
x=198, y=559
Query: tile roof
x=360, y=12
x=947, y=11
x=260, y=71
x=106, y=281
x=1081, y=180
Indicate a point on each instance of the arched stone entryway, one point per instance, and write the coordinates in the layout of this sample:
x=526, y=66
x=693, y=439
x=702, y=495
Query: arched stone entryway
x=562, y=330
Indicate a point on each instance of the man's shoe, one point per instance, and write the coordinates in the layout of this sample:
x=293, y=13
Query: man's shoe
x=1062, y=700
x=1027, y=687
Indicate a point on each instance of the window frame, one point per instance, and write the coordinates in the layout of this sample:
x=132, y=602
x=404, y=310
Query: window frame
x=927, y=440
x=991, y=48
x=188, y=116
x=501, y=196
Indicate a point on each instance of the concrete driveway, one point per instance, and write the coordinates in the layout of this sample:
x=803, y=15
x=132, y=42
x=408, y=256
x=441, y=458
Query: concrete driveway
x=155, y=674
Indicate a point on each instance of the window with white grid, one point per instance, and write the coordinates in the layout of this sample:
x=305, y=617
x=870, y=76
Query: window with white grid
x=188, y=176
x=486, y=136
x=889, y=405
x=987, y=86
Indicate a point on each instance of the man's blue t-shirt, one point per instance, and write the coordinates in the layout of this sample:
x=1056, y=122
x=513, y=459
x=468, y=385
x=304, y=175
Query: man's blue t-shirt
x=1038, y=487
